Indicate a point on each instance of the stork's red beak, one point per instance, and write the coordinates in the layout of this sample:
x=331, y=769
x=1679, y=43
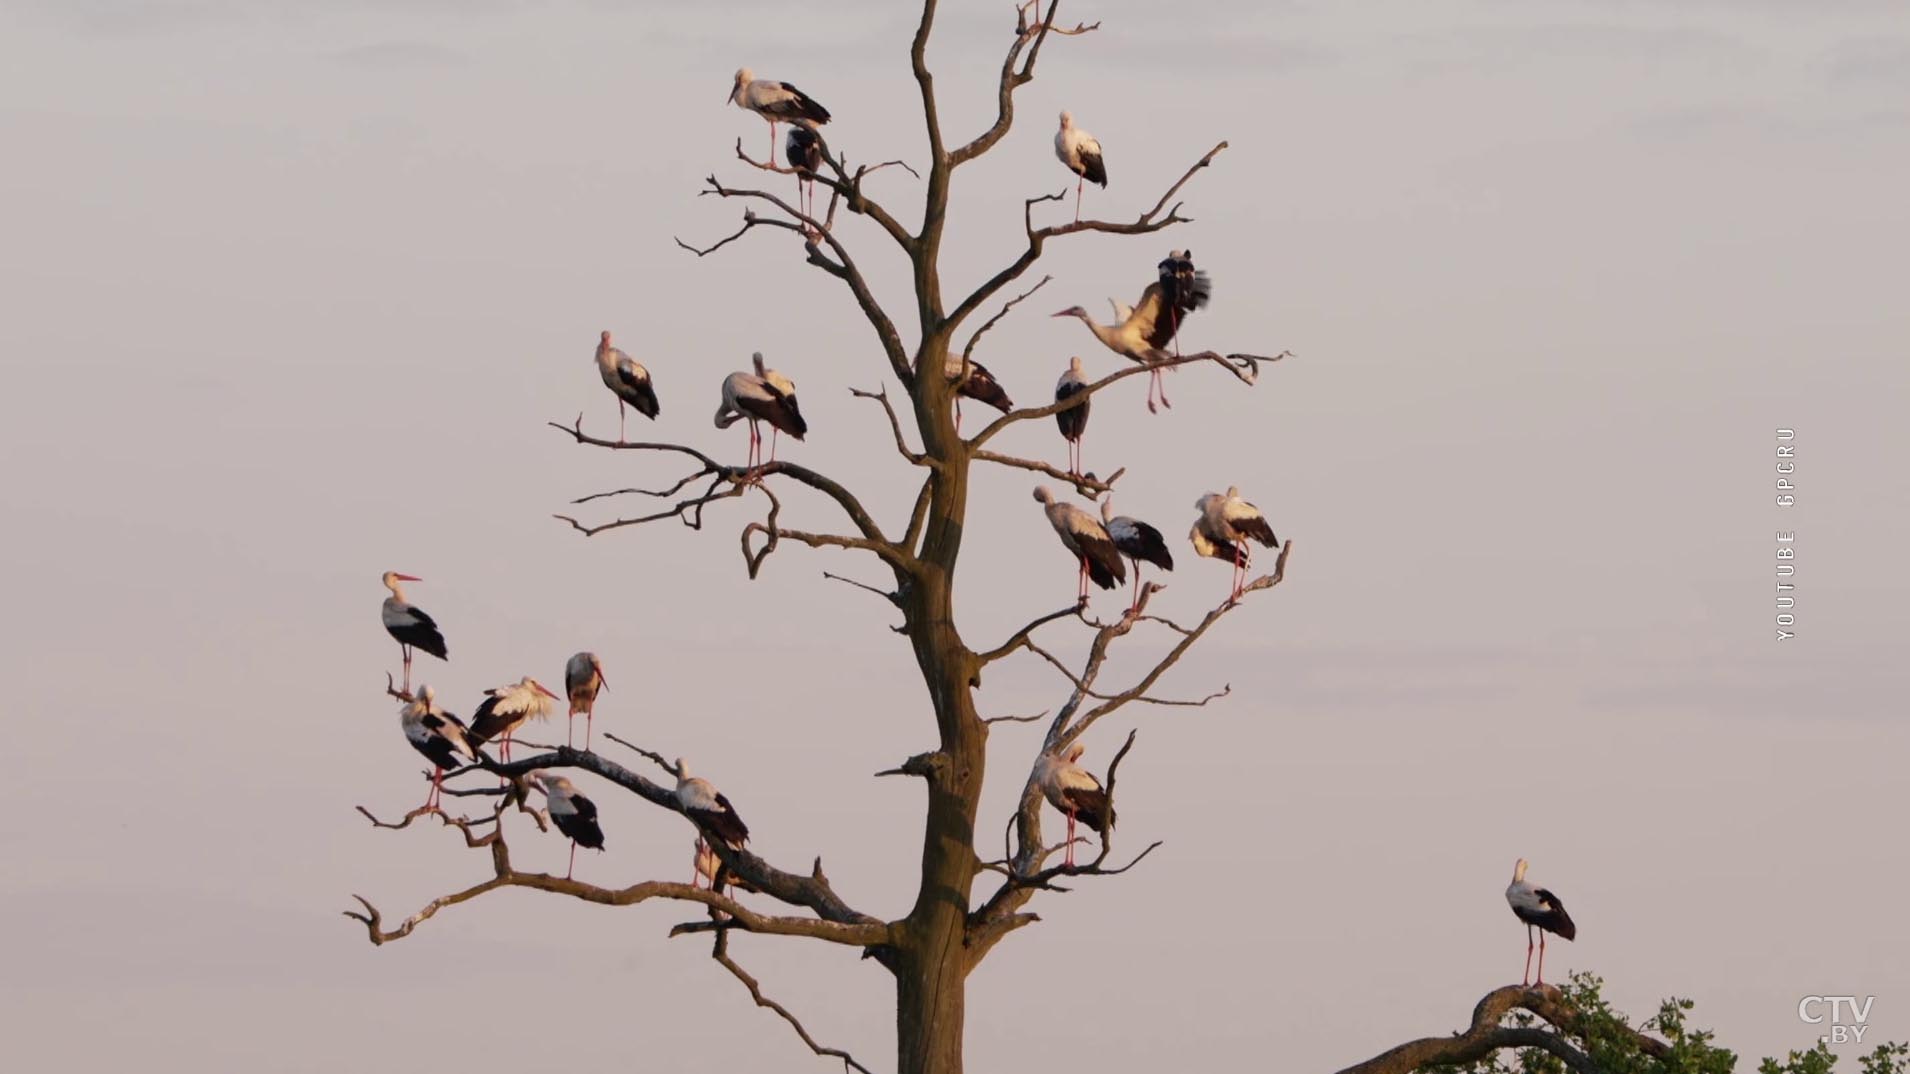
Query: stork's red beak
x=541, y=690
x=406, y=577
x=733, y=90
x=602, y=683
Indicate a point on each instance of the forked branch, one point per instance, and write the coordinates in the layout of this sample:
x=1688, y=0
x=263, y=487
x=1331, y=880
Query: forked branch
x=720, y=952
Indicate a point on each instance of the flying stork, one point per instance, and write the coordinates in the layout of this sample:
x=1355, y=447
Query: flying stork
x=574, y=815
x=1137, y=541
x=1075, y=792
x=1074, y=420
x=583, y=678
x=764, y=395
x=775, y=102
x=627, y=378
x=409, y=625
x=1225, y=525
x=1078, y=150
x=438, y=735
x=1539, y=908
x=1082, y=534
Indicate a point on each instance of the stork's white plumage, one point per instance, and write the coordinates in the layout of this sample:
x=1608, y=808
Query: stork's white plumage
x=775, y=101
x=1539, y=909
x=1073, y=421
x=709, y=810
x=1225, y=525
x=1081, y=153
x=507, y=708
x=1083, y=535
x=764, y=395
x=1136, y=540
x=408, y=624
x=1075, y=792
x=1141, y=336
x=574, y=814
x=629, y=380
x=438, y=735
x=583, y=679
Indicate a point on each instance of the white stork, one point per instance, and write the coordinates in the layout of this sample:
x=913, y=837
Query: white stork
x=1137, y=541
x=980, y=385
x=583, y=678
x=708, y=810
x=1075, y=792
x=765, y=395
x=1539, y=908
x=1074, y=420
x=803, y=150
x=1225, y=525
x=438, y=735
x=507, y=708
x=626, y=377
x=1082, y=534
x=1078, y=150
x=574, y=815
x=409, y=625
x=775, y=102
x=1142, y=336
x=1184, y=289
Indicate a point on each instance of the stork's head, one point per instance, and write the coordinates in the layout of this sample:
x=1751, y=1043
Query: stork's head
x=1043, y=495
x=547, y=781
x=427, y=695
x=1075, y=751
x=1518, y=872
x=392, y=578
x=682, y=770
x=1074, y=364
x=533, y=684
x=603, y=340
x=1072, y=311
x=742, y=79
x=1233, y=492
x=756, y=360
x=1067, y=120
x=1206, y=501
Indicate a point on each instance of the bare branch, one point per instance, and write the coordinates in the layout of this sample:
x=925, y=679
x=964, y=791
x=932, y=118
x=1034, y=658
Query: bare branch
x=1016, y=719
x=846, y=188
x=895, y=424
x=1013, y=78
x=1246, y=367
x=721, y=954
x=1486, y=1035
x=1086, y=484
x=750, y=220
x=1019, y=637
x=990, y=323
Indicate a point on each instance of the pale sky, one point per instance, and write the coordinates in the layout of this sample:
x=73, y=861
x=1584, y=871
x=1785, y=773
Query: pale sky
x=292, y=288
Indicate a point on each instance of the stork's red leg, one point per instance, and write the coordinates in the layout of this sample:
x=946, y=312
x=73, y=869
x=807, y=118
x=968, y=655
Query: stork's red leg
x=570, y=731
x=590, y=717
x=775, y=434
x=1526, y=977
x=1078, y=183
x=573, y=860
x=1540, y=979
x=1070, y=857
x=620, y=419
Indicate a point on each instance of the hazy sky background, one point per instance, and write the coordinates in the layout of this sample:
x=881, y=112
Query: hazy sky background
x=291, y=288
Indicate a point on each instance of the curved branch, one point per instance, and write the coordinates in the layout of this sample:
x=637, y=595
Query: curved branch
x=881, y=396
x=1020, y=637
x=720, y=952
x=1485, y=1035
x=1246, y=367
x=846, y=188
x=1086, y=484
x=990, y=323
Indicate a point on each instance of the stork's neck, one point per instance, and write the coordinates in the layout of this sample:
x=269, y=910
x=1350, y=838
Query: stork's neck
x=397, y=591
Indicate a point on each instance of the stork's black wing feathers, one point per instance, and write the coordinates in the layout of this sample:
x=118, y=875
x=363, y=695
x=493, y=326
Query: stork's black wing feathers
x=1094, y=169
x=1073, y=421
x=421, y=633
x=1148, y=546
x=803, y=150
x=804, y=106
x=638, y=392
x=581, y=825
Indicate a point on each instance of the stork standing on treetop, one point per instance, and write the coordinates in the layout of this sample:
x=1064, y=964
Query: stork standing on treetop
x=629, y=380
x=574, y=815
x=1136, y=540
x=1083, y=535
x=1081, y=153
x=583, y=679
x=409, y=625
x=438, y=735
x=507, y=708
x=1225, y=525
x=765, y=395
x=1075, y=792
x=1073, y=421
x=1540, y=909
x=774, y=101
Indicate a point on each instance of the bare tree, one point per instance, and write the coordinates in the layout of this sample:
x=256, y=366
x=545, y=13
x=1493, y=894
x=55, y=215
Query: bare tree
x=951, y=927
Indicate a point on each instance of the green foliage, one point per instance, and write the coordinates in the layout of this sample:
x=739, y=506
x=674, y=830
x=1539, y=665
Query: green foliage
x=1607, y=1039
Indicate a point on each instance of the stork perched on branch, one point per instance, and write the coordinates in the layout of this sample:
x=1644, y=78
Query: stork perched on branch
x=438, y=735
x=1075, y=792
x=408, y=625
x=1083, y=535
x=774, y=101
x=1539, y=909
x=1184, y=289
x=803, y=150
x=507, y=708
x=1081, y=153
x=1073, y=421
x=709, y=811
x=574, y=815
x=1136, y=540
x=1142, y=336
x=629, y=380
x=980, y=385
x=1225, y=525
x=765, y=395
x=583, y=679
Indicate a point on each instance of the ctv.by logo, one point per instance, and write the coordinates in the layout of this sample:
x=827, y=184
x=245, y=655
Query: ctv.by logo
x=1846, y=1015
